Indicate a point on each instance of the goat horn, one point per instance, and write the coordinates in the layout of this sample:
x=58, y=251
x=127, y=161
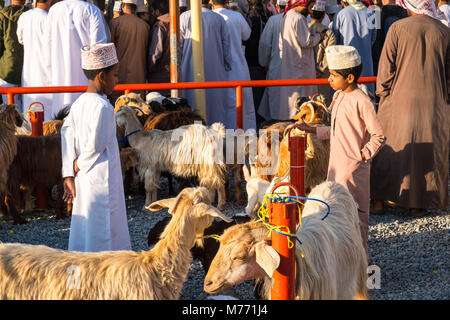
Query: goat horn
x=313, y=113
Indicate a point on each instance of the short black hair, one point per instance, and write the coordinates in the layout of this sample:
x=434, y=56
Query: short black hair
x=161, y=5
x=355, y=71
x=91, y=74
x=317, y=15
x=219, y=2
x=205, y=1
x=130, y=6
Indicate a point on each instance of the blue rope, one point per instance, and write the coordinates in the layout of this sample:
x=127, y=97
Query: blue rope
x=287, y=235
x=291, y=199
x=124, y=139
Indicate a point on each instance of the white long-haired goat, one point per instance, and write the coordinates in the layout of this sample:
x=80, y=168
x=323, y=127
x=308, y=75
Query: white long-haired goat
x=189, y=151
x=334, y=264
x=39, y=272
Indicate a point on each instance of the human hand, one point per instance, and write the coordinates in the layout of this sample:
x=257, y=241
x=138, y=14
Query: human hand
x=69, y=190
x=322, y=36
x=75, y=166
x=301, y=125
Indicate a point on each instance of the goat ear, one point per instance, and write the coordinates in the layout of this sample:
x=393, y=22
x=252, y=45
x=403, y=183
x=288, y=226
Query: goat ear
x=171, y=203
x=267, y=258
x=214, y=212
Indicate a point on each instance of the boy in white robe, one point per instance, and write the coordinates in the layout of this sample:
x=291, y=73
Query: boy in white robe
x=91, y=162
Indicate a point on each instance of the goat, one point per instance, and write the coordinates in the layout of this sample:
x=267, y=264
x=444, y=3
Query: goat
x=38, y=162
x=40, y=272
x=206, y=249
x=334, y=265
x=189, y=151
x=257, y=188
x=10, y=119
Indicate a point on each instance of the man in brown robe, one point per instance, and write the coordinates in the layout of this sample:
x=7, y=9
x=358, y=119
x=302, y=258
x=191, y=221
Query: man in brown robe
x=413, y=84
x=131, y=37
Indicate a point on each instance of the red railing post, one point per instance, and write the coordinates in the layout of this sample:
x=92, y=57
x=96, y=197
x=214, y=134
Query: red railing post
x=11, y=99
x=37, y=129
x=239, y=108
x=284, y=214
x=297, y=147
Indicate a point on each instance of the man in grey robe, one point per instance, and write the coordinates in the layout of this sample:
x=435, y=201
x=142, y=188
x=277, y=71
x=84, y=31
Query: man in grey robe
x=216, y=52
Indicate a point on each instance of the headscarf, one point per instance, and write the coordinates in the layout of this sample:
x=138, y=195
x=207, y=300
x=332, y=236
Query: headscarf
x=296, y=3
x=419, y=6
x=356, y=4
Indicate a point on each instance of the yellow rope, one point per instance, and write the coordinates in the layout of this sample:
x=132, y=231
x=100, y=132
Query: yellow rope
x=263, y=214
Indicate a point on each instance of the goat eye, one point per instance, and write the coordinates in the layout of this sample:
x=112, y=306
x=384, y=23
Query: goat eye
x=239, y=258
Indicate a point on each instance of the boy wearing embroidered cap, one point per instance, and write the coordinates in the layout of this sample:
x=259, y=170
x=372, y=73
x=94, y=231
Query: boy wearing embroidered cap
x=355, y=133
x=91, y=163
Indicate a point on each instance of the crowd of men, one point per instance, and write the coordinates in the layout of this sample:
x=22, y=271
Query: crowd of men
x=257, y=40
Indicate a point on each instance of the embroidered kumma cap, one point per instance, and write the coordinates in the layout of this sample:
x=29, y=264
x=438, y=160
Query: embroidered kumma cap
x=342, y=57
x=117, y=6
x=130, y=1
x=98, y=56
x=319, y=5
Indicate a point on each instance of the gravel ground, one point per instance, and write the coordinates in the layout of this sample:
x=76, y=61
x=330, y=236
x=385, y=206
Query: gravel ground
x=411, y=254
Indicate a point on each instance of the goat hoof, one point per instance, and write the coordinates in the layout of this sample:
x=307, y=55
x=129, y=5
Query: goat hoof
x=20, y=220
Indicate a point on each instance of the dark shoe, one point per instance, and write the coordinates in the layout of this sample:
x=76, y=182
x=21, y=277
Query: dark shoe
x=415, y=212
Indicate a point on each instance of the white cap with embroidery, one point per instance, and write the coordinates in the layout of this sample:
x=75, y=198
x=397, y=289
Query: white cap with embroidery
x=342, y=57
x=98, y=56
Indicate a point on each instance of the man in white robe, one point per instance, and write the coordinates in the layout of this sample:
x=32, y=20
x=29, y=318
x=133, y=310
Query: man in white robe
x=239, y=31
x=99, y=221
x=217, y=55
x=297, y=56
x=72, y=25
x=269, y=56
x=32, y=34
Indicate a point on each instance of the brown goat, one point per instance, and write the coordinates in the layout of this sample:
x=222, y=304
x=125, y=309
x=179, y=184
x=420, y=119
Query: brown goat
x=264, y=160
x=38, y=162
x=52, y=127
x=170, y=120
x=10, y=118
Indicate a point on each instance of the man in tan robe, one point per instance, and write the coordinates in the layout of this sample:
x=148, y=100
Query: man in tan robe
x=413, y=83
x=297, y=56
x=131, y=37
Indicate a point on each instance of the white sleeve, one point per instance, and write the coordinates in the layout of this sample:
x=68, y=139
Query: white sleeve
x=97, y=27
x=68, y=147
x=20, y=30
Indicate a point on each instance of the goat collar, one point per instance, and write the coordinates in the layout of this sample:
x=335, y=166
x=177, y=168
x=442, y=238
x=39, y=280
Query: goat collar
x=124, y=140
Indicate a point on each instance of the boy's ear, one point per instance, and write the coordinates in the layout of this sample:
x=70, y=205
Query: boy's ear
x=351, y=78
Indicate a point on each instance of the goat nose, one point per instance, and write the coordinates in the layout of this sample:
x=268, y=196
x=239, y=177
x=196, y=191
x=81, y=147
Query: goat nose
x=207, y=283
